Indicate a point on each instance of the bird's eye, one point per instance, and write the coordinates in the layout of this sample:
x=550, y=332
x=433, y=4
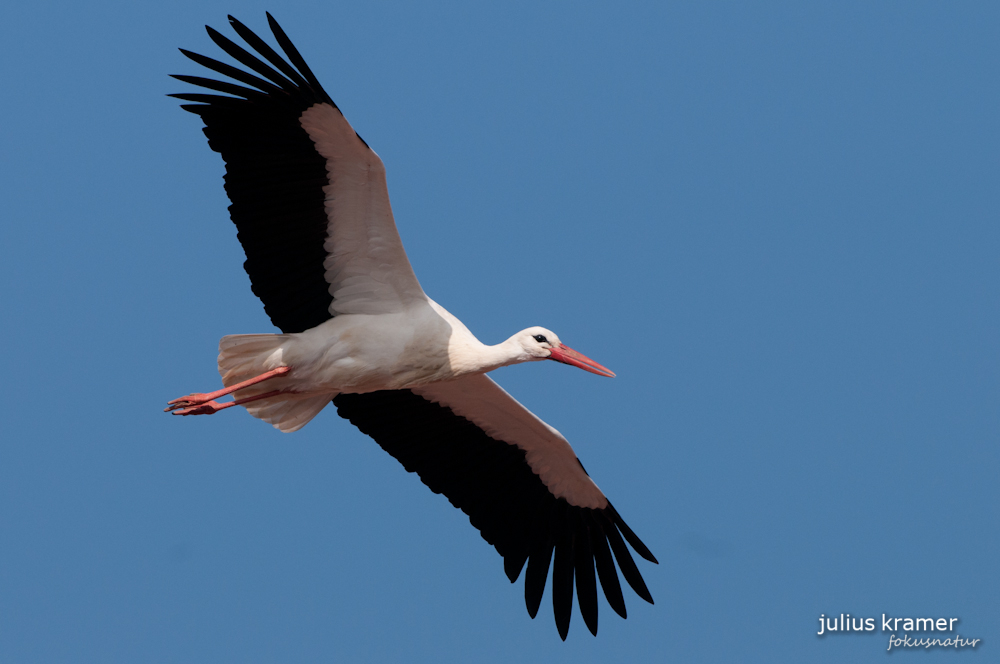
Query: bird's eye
x=540, y=338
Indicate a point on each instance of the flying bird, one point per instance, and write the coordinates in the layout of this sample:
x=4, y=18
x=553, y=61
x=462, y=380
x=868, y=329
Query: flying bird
x=311, y=208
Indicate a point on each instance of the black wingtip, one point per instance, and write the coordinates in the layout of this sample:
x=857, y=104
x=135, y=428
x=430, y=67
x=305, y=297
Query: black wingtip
x=586, y=581
x=296, y=58
x=631, y=537
x=606, y=569
x=562, y=583
x=535, y=577
x=626, y=564
x=512, y=566
x=220, y=39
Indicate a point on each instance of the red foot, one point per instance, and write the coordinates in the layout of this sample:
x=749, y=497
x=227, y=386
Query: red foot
x=208, y=408
x=197, y=397
x=201, y=403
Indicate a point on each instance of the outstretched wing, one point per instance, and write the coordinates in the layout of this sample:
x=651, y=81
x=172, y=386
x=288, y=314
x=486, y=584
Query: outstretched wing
x=518, y=480
x=309, y=197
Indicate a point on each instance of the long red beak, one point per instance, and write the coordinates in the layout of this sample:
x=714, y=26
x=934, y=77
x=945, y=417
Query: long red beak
x=567, y=355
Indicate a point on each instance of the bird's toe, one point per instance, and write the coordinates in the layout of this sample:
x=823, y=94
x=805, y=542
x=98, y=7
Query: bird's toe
x=207, y=408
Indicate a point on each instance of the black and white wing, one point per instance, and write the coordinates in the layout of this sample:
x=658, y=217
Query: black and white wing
x=518, y=480
x=309, y=197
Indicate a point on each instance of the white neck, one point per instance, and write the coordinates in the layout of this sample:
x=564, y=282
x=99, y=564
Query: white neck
x=476, y=357
x=503, y=354
x=467, y=354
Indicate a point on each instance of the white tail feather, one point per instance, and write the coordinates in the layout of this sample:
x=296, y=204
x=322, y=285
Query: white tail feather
x=244, y=356
x=290, y=412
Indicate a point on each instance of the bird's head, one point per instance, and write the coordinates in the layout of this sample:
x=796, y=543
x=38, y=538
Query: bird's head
x=541, y=344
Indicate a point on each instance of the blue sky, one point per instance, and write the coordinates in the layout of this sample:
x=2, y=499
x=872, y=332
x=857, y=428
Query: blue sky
x=777, y=223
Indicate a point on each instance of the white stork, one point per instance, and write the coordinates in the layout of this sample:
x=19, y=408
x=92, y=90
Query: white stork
x=310, y=203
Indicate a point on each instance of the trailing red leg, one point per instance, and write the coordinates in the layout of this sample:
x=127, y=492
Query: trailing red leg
x=202, y=403
x=212, y=407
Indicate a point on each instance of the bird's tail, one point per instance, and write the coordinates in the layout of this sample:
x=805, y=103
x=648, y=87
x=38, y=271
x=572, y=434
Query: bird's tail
x=244, y=356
